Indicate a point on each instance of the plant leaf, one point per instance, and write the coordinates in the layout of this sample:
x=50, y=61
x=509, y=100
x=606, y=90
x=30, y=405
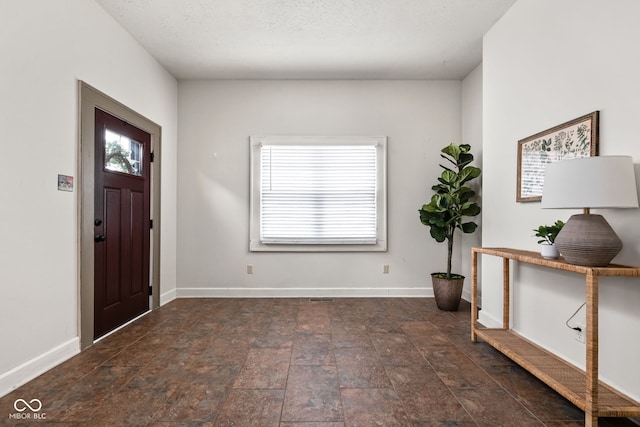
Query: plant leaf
x=472, y=209
x=469, y=227
x=453, y=150
x=448, y=177
x=438, y=233
x=468, y=173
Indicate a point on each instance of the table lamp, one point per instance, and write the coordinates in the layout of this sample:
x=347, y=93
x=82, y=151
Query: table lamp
x=586, y=183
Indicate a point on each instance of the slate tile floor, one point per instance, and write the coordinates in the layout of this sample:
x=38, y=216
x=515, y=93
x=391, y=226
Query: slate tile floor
x=295, y=363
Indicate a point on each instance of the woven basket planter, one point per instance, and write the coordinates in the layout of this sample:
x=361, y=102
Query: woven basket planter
x=447, y=292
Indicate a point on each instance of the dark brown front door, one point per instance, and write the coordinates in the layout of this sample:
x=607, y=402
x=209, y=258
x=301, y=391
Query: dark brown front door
x=122, y=222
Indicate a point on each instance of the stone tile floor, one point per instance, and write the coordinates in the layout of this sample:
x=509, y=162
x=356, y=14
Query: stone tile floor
x=295, y=363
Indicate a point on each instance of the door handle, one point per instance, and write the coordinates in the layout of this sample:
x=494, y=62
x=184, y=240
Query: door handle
x=100, y=238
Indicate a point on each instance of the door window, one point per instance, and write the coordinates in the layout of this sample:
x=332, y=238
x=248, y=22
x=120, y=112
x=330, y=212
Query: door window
x=122, y=154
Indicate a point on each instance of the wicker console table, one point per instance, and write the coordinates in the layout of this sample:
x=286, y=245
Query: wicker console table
x=582, y=388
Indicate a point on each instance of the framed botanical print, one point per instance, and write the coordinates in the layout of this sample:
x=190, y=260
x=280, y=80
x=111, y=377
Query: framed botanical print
x=571, y=140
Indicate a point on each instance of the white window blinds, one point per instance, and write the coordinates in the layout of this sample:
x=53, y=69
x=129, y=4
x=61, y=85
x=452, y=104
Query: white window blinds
x=319, y=193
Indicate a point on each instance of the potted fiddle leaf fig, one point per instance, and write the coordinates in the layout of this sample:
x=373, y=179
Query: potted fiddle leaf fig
x=451, y=202
x=547, y=237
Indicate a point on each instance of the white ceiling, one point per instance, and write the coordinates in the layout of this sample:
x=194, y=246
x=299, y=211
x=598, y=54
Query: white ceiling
x=311, y=39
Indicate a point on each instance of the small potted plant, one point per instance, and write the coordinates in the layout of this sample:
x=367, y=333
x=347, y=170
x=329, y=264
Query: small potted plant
x=451, y=202
x=547, y=235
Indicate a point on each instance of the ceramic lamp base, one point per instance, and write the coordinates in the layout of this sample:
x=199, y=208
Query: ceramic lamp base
x=589, y=240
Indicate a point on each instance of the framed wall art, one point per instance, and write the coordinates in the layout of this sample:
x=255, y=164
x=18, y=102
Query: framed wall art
x=65, y=183
x=571, y=140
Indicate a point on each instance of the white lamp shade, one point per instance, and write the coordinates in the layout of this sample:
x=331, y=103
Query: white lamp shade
x=590, y=182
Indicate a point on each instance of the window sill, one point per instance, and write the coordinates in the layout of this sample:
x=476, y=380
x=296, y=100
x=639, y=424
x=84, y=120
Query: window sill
x=256, y=246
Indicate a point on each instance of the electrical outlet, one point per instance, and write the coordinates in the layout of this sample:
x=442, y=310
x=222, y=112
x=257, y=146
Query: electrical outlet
x=385, y=269
x=580, y=333
x=249, y=269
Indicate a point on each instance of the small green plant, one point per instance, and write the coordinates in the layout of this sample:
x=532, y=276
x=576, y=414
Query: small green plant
x=548, y=233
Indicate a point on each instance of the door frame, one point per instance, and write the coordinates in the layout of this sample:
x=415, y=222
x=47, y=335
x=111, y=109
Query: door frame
x=90, y=99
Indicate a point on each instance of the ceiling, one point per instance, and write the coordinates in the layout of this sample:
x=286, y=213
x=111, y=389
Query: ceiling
x=311, y=39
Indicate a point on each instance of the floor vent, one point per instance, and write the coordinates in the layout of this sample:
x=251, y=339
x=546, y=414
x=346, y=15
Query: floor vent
x=321, y=299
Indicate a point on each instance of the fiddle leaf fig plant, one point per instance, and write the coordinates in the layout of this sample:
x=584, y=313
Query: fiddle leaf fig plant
x=452, y=199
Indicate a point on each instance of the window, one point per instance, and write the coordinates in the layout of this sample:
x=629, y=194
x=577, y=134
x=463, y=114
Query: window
x=122, y=154
x=318, y=193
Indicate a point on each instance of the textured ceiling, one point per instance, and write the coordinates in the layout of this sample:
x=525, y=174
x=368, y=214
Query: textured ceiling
x=311, y=39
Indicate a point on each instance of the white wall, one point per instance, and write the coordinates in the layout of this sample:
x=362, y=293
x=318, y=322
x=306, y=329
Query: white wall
x=472, y=135
x=546, y=62
x=216, y=119
x=46, y=48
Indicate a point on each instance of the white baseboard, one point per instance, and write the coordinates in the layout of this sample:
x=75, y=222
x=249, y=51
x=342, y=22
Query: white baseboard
x=167, y=297
x=488, y=321
x=24, y=373
x=303, y=292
